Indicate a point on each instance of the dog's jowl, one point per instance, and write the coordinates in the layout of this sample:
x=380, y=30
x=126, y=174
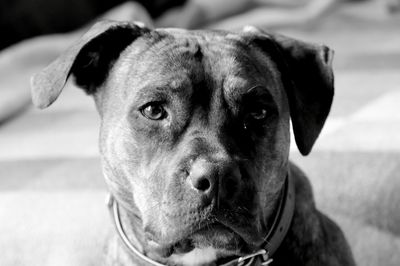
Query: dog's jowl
x=194, y=143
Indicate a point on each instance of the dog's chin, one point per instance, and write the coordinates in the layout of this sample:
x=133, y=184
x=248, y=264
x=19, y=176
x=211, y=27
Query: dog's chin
x=212, y=244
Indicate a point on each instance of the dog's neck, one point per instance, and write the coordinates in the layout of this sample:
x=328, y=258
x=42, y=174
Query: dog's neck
x=305, y=227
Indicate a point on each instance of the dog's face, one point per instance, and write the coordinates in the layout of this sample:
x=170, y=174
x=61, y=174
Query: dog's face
x=195, y=127
x=199, y=140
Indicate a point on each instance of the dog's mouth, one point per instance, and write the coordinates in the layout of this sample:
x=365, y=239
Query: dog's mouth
x=224, y=242
x=216, y=235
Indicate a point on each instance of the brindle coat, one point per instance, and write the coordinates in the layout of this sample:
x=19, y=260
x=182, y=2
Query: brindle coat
x=194, y=137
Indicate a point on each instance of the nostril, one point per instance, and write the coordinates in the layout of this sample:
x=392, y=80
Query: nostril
x=202, y=174
x=202, y=184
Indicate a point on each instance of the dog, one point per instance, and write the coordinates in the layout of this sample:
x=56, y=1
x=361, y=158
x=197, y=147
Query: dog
x=194, y=142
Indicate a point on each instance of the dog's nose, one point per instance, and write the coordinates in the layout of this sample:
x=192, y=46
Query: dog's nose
x=202, y=175
x=214, y=179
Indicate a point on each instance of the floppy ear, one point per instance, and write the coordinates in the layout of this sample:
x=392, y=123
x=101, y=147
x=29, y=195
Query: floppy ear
x=308, y=79
x=88, y=60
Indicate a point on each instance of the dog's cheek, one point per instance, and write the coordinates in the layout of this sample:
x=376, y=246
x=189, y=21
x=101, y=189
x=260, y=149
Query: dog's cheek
x=138, y=186
x=120, y=152
x=113, y=158
x=263, y=172
x=272, y=165
x=140, y=162
x=133, y=148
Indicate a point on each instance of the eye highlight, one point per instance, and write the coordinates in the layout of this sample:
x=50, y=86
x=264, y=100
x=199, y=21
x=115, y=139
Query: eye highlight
x=259, y=114
x=255, y=116
x=153, y=111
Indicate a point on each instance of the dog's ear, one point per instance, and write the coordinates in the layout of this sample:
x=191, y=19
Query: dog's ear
x=88, y=60
x=308, y=79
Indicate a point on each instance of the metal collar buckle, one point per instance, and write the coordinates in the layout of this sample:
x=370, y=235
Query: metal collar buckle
x=249, y=259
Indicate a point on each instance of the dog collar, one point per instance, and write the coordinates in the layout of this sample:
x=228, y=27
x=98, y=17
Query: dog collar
x=263, y=256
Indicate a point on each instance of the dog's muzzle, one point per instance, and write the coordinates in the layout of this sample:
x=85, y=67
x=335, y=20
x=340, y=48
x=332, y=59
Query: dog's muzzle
x=263, y=256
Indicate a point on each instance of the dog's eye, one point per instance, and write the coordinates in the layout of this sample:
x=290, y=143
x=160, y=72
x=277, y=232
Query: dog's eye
x=154, y=111
x=254, y=116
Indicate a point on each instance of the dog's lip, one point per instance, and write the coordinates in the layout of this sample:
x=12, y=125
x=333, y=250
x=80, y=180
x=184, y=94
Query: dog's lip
x=214, y=234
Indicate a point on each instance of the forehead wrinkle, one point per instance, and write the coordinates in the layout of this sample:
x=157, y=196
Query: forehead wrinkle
x=166, y=69
x=176, y=85
x=176, y=55
x=236, y=79
x=180, y=43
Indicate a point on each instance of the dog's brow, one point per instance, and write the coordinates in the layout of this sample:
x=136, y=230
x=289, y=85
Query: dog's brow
x=237, y=85
x=164, y=90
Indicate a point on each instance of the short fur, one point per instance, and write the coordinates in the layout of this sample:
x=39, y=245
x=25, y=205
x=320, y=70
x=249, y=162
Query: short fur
x=206, y=175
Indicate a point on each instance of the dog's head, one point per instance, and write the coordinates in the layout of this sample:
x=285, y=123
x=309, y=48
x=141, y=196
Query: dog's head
x=195, y=126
